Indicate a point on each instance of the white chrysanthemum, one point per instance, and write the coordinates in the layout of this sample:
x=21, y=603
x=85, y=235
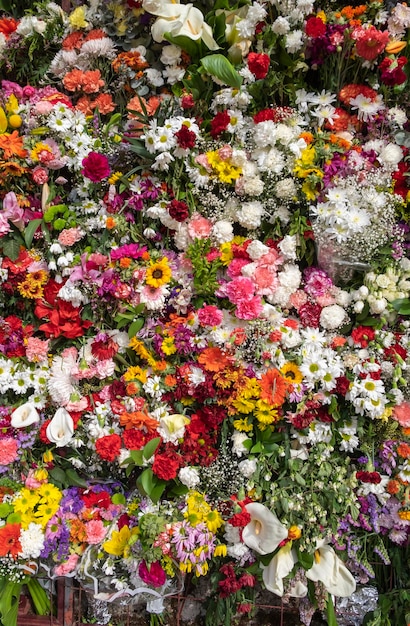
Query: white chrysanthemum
x=171, y=55
x=250, y=215
x=332, y=317
x=32, y=541
x=390, y=156
x=61, y=384
x=294, y=41
x=29, y=25
x=285, y=189
x=189, y=477
x=222, y=231
x=173, y=74
x=103, y=47
x=154, y=77
x=397, y=115
x=248, y=467
x=253, y=186
x=280, y=26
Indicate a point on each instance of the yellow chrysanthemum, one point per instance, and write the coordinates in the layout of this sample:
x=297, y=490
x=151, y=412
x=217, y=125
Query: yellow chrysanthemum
x=168, y=346
x=243, y=405
x=26, y=501
x=264, y=413
x=220, y=550
x=49, y=493
x=213, y=520
x=136, y=373
x=158, y=273
x=115, y=177
x=243, y=425
x=45, y=512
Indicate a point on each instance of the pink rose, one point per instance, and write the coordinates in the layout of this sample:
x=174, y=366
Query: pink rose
x=154, y=576
x=95, y=167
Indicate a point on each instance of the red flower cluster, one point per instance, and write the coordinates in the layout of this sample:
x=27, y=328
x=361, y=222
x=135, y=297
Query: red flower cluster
x=219, y=124
x=392, y=71
x=258, y=64
x=315, y=27
x=369, y=477
x=95, y=167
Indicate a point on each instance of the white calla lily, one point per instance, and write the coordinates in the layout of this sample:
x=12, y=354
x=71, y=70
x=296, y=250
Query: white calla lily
x=179, y=19
x=24, y=415
x=331, y=571
x=264, y=532
x=61, y=428
x=281, y=566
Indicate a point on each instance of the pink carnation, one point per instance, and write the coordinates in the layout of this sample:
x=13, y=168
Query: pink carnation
x=210, y=315
x=235, y=267
x=95, y=531
x=298, y=299
x=68, y=566
x=8, y=450
x=70, y=236
x=199, y=227
x=249, y=309
x=37, y=350
x=240, y=289
x=401, y=413
x=266, y=281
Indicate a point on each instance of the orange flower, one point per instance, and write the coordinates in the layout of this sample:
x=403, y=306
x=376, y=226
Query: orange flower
x=160, y=366
x=170, y=380
x=72, y=41
x=11, y=168
x=78, y=532
x=130, y=59
x=393, y=487
x=10, y=540
x=132, y=389
x=138, y=419
x=110, y=223
x=104, y=103
x=403, y=449
x=273, y=386
x=12, y=144
x=7, y=26
x=73, y=80
x=213, y=359
x=92, y=81
x=308, y=137
x=85, y=105
x=96, y=33
x=125, y=262
x=338, y=342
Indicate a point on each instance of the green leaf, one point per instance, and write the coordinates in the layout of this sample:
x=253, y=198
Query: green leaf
x=305, y=559
x=193, y=48
x=137, y=457
x=157, y=490
x=58, y=475
x=147, y=480
x=217, y=65
x=135, y=327
x=11, y=248
x=330, y=611
x=118, y=498
x=150, y=448
x=74, y=478
x=30, y=230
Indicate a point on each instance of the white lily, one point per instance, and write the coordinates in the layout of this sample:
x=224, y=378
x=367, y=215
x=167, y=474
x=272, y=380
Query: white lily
x=331, y=571
x=24, y=415
x=61, y=428
x=280, y=566
x=179, y=19
x=264, y=532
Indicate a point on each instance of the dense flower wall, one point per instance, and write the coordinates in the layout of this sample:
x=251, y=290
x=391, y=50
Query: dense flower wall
x=205, y=291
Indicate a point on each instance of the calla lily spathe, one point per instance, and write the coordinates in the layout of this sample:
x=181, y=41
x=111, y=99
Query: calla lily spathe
x=24, y=415
x=264, y=532
x=179, y=19
x=61, y=428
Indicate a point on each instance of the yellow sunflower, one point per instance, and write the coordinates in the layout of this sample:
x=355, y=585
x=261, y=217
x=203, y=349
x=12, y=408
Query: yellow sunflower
x=158, y=273
x=291, y=373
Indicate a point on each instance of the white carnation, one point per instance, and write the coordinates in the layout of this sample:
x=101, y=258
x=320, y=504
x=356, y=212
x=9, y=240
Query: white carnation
x=189, y=477
x=250, y=215
x=222, y=231
x=332, y=317
x=248, y=467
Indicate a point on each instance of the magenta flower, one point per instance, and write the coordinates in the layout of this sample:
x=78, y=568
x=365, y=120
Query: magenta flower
x=95, y=167
x=154, y=576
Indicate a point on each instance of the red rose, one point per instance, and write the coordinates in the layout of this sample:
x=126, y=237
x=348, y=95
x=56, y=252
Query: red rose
x=258, y=64
x=95, y=167
x=108, y=447
x=166, y=466
x=362, y=335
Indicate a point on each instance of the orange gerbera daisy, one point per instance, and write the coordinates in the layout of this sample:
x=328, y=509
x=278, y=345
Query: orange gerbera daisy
x=12, y=144
x=213, y=359
x=273, y=387
x=138, y=419
x=10, y=540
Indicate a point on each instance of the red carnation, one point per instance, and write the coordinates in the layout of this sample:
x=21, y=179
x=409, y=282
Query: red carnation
x=166, y=466
x=186, y=138
x=178, y=210
x=264, y=116
x=315, y=27
x=95, y=167
x=220, y=123
x=369, y=477
x=108, y=447
x=362, y=335
x=258, y=64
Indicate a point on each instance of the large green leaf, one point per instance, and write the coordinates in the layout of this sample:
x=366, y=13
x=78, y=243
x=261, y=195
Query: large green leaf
x=11, y=248
x=29, y=231
x=217, y=65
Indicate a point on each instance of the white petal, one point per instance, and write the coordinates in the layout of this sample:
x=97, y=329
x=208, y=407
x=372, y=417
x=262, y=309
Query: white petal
x=24, y=415
x=280, y=566
x=264, y=532
x=61, y=428
x=331, y=571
